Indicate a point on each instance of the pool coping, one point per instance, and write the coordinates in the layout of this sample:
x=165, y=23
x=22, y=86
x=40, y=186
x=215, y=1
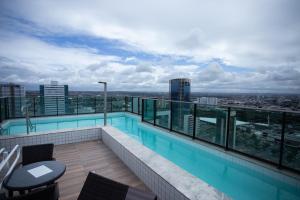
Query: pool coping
x=185, y=183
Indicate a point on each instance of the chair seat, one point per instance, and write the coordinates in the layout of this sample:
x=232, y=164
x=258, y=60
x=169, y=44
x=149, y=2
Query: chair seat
x=97, y=187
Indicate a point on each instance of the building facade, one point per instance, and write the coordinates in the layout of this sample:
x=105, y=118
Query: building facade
x=53, y=98
x=13, y=97
x=180, y=89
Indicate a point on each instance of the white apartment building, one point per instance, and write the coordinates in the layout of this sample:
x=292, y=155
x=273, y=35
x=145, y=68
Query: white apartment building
x=53, y=99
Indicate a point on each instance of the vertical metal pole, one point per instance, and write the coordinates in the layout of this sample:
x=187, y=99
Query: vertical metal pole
x=227, y=129
x=131, y=104
x=34, y=106
x=57, y=106
x=139, y=105
x=95, y=103
x=194, y=124
x=27, y=120
x=143, y=109
x=77, y=105
x=105, y=103
x=154, y=111
x=282, y=139
x=171, y=117
x=111, y=104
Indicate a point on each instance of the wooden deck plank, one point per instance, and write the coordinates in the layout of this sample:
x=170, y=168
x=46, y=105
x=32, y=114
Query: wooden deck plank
x=80, y=158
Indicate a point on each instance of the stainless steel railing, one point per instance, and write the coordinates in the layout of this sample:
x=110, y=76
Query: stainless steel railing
x=7, y=164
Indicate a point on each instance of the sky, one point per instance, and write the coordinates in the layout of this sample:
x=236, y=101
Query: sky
x=222, y=46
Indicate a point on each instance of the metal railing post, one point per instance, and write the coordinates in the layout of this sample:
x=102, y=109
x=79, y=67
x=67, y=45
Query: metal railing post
x=138, y=105
x=131, y=104
x=227, y=129
x=77, y=105
x=154, y=111
x=111, y=104
x=57, y=106
x=143, y=109
x=171, y=115
x=194, y=125
x=95, y=103
x=105, y=104
x=282, y=139
x=34, y=112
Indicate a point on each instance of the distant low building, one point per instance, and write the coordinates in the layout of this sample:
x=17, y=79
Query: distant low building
x=53, y=98
x=207, y=101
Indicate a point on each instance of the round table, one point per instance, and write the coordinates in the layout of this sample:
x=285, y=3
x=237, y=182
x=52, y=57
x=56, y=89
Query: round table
x=22, y=179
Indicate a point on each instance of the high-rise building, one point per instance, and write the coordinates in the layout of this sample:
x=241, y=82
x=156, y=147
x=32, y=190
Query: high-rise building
x=180, y=89
x=53, y=98
x=15, y=98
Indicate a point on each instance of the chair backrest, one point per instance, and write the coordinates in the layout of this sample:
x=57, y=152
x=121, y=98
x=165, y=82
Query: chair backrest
x=97, y=187
x=37, y=153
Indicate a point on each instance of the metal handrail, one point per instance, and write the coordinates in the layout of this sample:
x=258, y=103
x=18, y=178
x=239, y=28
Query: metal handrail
x=5, y=162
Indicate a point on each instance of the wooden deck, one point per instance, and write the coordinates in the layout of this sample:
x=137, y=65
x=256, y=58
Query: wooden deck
x=80, y=158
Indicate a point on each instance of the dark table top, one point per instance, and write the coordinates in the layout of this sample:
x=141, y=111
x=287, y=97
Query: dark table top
x=21, y=179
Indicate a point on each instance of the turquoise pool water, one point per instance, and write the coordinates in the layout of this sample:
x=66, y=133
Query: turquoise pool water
x=237, y=181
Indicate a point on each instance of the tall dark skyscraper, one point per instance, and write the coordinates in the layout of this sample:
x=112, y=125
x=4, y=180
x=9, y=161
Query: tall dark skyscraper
x=180, y=89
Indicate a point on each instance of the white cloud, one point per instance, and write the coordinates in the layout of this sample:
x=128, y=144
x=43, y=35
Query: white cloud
x=262, y=35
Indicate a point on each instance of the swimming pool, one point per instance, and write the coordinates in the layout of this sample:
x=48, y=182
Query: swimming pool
x=236, y=180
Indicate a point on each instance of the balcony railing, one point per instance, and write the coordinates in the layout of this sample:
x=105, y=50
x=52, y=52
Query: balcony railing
x=266, y=135
x=269, y=136
x=13, y=107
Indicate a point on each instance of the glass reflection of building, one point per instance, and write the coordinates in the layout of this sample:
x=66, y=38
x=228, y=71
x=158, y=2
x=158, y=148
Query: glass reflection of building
x=179, y=91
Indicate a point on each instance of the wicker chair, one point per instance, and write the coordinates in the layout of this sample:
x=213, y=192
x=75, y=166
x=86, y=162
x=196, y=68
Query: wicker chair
x=36, y=153
x=97, y=187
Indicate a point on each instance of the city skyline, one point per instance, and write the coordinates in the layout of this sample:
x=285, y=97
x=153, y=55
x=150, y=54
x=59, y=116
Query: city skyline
x=243, y=47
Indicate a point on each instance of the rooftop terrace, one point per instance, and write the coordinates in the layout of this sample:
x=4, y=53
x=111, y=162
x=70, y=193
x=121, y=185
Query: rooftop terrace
x=80, y=158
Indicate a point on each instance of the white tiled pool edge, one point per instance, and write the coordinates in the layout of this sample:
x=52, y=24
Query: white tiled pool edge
x=55, y=137
x=163, y=177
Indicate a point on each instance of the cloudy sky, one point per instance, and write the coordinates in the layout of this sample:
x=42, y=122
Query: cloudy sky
x=223, y=46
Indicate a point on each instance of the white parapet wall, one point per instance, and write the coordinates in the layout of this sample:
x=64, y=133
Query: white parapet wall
x=55, y=137
x=164, y=178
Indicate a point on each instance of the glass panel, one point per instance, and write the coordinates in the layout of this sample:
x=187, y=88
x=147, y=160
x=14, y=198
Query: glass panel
x=46, y=106
x=291, y=156
x=182, y=117
x=135, y=101
x=149, y=110
x=129, y=104
x=211, y=124
x=163, y=115
x=118, y=104
x=71, y=105
x=14, y=106
x=256, y=132
x=30, y=103
x=86, y=104
x=99, y=104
